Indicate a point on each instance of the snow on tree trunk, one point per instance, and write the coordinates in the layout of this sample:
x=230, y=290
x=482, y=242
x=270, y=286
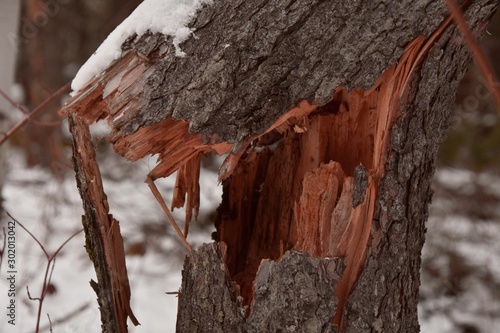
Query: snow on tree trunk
x=332, y=113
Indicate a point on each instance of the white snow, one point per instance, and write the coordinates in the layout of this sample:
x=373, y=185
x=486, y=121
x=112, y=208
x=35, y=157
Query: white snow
x=460, y=268
x=50, y=207
x=169, y=17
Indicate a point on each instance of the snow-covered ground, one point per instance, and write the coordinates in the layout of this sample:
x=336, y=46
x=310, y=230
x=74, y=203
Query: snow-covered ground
x=460, y=274
x=50, y=207
x=460, y=289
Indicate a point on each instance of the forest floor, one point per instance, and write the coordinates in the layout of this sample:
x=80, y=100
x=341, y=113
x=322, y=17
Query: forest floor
x=461, y=259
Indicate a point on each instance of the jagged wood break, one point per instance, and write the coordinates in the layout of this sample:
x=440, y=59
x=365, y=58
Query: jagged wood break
x=103, y=240
x=316, y=165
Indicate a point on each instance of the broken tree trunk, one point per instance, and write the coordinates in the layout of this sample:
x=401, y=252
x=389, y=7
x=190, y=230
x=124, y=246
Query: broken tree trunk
x=103, y=239
x=332, y=113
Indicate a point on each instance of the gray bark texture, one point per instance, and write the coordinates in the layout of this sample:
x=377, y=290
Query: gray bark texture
x=295, y=293
x=252, y=60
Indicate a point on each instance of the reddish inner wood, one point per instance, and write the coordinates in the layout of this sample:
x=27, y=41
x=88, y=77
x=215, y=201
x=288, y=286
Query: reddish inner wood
x=294, y=190
x=288, y=188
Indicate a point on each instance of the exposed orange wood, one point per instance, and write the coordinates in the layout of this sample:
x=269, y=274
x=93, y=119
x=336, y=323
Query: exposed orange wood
x=341, y=222
x=303, y=109
x=354, y=241
x=242, y=203
x=322, y=186
x=267, y=209
x=114, y=93
x=282, y=124
x=187, y=184
x=302, y=200
x=169, y=139
x=116, y=256
x=115, y=96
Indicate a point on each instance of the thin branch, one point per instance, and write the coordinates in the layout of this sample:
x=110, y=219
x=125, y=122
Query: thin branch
x=51, y=261
x=50, y=323
x=44, y=87
x=65, y=242
x=36, y=111
x=164, y=206
x=46, y=282
x=29, y=233
x=13, y=103
x=29, y=295
x=67, y=317
x=19, y=107
x=481, y=59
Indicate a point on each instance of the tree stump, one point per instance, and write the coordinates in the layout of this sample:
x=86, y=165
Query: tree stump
x=332, y=113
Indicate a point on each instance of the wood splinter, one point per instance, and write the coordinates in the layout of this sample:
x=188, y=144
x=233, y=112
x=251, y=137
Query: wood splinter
x=165, y=208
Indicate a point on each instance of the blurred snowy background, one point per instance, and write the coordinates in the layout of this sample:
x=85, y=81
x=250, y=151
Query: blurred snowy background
x=460, y=289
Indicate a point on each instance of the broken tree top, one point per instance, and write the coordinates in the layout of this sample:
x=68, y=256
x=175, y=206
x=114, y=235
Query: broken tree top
x=182, y=77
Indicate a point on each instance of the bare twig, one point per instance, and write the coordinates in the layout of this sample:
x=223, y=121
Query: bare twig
x=66, y=317
x=12, y=102
x=36, y=111
x=50, y=323
x=479, y=56
x=29, y=233
x=51, y=261
x=29, y=295
x=164, y=206
x=19, y=107
x=65, y=242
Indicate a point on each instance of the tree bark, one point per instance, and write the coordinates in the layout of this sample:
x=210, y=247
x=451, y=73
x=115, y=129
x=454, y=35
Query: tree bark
x=43, y=144
x=332, y=113
x=103, y=240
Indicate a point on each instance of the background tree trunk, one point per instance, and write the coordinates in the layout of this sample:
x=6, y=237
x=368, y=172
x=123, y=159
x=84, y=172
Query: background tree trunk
x=55, y=39
x=9, y=20
x=9, y=13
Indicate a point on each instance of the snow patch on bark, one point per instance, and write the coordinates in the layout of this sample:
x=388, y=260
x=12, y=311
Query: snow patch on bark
x=169, y=17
